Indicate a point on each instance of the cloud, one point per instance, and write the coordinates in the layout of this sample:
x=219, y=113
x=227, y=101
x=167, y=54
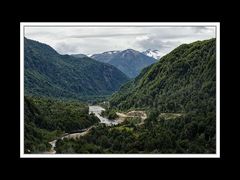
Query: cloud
x=155, y=43
x=203, y=29
x=104, y=35
x=91, y=40
x=167, y=38
x=142, y=38
x=65, y=48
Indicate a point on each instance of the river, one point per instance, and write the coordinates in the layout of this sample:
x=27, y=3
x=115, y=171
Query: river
x=96, y=110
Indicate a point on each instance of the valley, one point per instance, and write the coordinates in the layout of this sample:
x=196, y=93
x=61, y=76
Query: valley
x=120, y=102
x=96, y=110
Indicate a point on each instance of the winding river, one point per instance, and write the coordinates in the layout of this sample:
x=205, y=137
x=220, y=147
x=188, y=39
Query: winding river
x=96, y=110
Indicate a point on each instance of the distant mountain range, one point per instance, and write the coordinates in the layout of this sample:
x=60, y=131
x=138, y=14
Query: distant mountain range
x=50, y=74
x=129, y=61
x=105, y=57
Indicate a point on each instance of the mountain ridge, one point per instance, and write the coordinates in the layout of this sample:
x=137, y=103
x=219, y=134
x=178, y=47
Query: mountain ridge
x=129, y=61
x=48, y=73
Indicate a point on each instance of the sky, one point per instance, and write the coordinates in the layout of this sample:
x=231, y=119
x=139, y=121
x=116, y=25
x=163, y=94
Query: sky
x=93, y=40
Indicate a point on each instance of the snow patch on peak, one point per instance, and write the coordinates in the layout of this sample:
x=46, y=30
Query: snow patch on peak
x=156, y=54
x=111, y=52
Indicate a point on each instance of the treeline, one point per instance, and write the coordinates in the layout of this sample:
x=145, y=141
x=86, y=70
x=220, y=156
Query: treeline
x=46, y=119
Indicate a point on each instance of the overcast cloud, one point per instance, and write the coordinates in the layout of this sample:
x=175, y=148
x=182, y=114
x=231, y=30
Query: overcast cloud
x=92, y=40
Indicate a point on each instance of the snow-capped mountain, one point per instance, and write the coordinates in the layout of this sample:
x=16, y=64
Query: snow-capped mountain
x=111, y=52
x=129, y=61
x=152, y=53
x=104, y=57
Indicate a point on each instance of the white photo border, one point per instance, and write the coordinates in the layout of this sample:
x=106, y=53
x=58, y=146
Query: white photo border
x=122, y=24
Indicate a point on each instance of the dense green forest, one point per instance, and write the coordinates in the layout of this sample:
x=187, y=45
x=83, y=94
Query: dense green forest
x=45, y=119
x=49, y=74
x=182, y=81
x=179, y=95
x=157, y=135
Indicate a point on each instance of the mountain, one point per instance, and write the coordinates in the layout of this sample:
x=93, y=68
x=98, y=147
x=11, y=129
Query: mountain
x=79, y=55
x=50, y=74
x=153, y=53
x=179, y=94
x=129, y=61
x=105, y=57
x=182, y=81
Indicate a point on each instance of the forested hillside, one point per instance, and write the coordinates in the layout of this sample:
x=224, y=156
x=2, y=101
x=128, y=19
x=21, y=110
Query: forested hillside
x=182, y=81
x=49, y=74
x=46, y=119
